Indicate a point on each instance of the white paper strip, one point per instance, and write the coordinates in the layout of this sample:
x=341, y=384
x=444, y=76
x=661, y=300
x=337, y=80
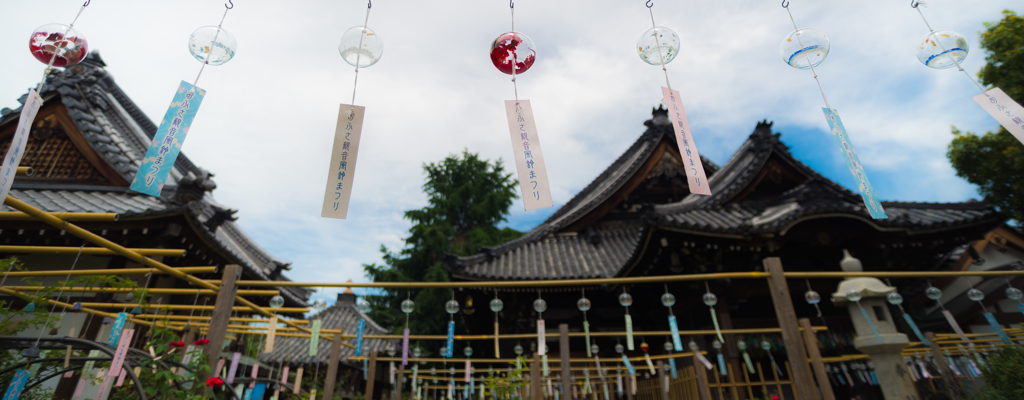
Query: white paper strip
x=533, y=176
x=271, y=334
x=17, y=149
x=1001, y=107
x=695, y=177
x=342, y=170
x=956, y=326
x=541, y=346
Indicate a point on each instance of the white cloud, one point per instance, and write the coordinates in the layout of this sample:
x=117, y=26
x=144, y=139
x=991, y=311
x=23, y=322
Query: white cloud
x=266, y=125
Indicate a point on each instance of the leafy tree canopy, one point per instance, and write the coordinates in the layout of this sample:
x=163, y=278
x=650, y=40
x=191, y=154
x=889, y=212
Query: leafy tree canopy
x=995, y=160
x=467, y=198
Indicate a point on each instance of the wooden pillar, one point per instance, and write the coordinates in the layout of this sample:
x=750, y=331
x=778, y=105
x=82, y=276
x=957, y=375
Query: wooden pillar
x=536, y=389
x=664, y=378
x=218, y=328
x=948, y=378
x=811, y=341
x=370, y=377
x=803, y=382
x=701, y=376
x=563, y=350
x=398, y=381
x=629, y=385
x=332, y=367
x=732, y=354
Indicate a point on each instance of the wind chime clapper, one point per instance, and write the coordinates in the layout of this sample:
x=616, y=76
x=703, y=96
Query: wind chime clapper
x=806, y=48
x=360, y=47
x=942, y=49
x=659, y=46
x=513, y=53
x=210, y=45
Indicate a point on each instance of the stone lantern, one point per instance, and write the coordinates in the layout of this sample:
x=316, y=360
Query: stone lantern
x=866, y=300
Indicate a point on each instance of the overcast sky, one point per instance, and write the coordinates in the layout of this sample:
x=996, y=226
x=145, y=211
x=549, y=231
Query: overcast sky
x=266, y=125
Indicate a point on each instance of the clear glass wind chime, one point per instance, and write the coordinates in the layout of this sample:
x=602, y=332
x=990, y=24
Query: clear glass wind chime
x=806, y=48
x=360, y=47
x=942, y=49
x=210, y=45
x=659, y=46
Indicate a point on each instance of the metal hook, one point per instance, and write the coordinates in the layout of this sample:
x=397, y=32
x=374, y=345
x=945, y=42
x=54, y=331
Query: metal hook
x=369, y=3
x=86, y=3
x=785, y=4
x=511, y=4
x=914, y=3
x=650, y=3
x=226, y=4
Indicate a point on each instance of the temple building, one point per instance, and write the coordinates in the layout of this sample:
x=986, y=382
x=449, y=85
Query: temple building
x=638, y=218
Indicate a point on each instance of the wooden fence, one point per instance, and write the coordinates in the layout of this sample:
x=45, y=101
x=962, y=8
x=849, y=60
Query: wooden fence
x=687, y=386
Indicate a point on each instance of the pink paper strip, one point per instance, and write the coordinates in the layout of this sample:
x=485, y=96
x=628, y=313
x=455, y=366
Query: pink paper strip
x=956, y=326
x=468, y=366
x=695, y=176
x=233, y=369
x=220, y=368
x=122, y=351
x=405, y=347
x=80, y=386
x=120, y=378
x=342, y=170
x=104, y=387
x=255, y=374
x=533, y=175
x=1001, y=107
x=284, y=377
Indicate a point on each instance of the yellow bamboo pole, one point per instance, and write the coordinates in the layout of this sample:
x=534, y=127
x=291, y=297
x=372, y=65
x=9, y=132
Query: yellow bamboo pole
x=625, y=280
x=93, y=251
x=86, y=310
x=151, y=290
x=131, y=255
x=180, y=307
x=610, y=360
x=123, y=271
x=24, y=171
x=67, y=216
x=175, y=319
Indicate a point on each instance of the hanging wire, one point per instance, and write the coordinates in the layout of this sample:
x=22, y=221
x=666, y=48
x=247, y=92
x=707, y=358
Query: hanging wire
x=359, y=55
x=785, y=4
x=931, y=33
x=61, y=292
x=515, y=57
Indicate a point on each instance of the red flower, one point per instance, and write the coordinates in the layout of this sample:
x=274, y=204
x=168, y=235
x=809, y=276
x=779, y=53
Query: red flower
x=214, y=382
x=202, y=341
x=178, y=343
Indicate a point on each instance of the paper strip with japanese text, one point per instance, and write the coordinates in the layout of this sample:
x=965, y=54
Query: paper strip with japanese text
x=121, y=352
x=533, y=175
x=867, y=192
x=167, y=141
x=1001, y=107
x=695, y=177
x=17, y=384
x=271, y=334
x=115, y=329
x=342, y=170
x=17, y=149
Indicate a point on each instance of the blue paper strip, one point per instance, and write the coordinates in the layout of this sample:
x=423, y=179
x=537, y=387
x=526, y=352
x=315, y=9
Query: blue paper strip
x=867, y=192
x=365, y=362
x=871, y=324
x=998, y=328
x=917, y=331
x=1021, y=308
x=248, y=394
x=168, y=139
x=721, y=364
x=115, y=329
x=672, y=366
x=17, y=385
x=678, y=344
x=257, y=391
x=629, y=366
x=874, y=378
x=359, y=337
x=451, y=339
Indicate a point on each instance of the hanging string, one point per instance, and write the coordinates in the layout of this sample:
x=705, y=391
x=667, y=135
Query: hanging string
x=512, y=8
x=226, y=9
x=359, y=55
x=53, y=58
x=785, y=4
x=193, y=311
x=916, y=5
x=658, y=43
x=61, y=292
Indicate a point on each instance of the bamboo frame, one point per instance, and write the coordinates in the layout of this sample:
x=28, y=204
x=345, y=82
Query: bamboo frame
x=43, y=216
x=92, y=251
x=510, y=336
x=626, y=280
x=149, y=290
x=67, y=216
x=123, y=271
x=84, y=309
x=24, y=171
x=180, y=307
x=609, y=360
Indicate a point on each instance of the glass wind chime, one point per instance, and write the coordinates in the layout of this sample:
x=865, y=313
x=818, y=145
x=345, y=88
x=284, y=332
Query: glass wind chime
x=513, y=53
x=896, y=299
x=539, y=305
x=942, y=49
x=496, y=306
x=210, y=45
x=934, y=293
x=978, y=296
x=659, y=46
x=56, y=45
x=363, y=307
x=360, y=47
x=806, y=48
x=407, y=306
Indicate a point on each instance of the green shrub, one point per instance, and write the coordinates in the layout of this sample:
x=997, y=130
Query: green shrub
x=1004, y=374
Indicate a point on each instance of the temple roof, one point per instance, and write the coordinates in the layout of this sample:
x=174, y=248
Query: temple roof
x=761, y=190
x=111, y=136
x=342, y=315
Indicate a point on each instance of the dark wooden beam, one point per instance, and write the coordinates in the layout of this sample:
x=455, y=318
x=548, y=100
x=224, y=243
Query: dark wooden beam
x=803, y=381
x=218, y=328
x=332, y=369
x=563, y=349
x=811, y=341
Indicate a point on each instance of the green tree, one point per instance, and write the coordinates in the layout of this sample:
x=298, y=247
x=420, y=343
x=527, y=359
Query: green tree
x=467, y=198
x=995, y=160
